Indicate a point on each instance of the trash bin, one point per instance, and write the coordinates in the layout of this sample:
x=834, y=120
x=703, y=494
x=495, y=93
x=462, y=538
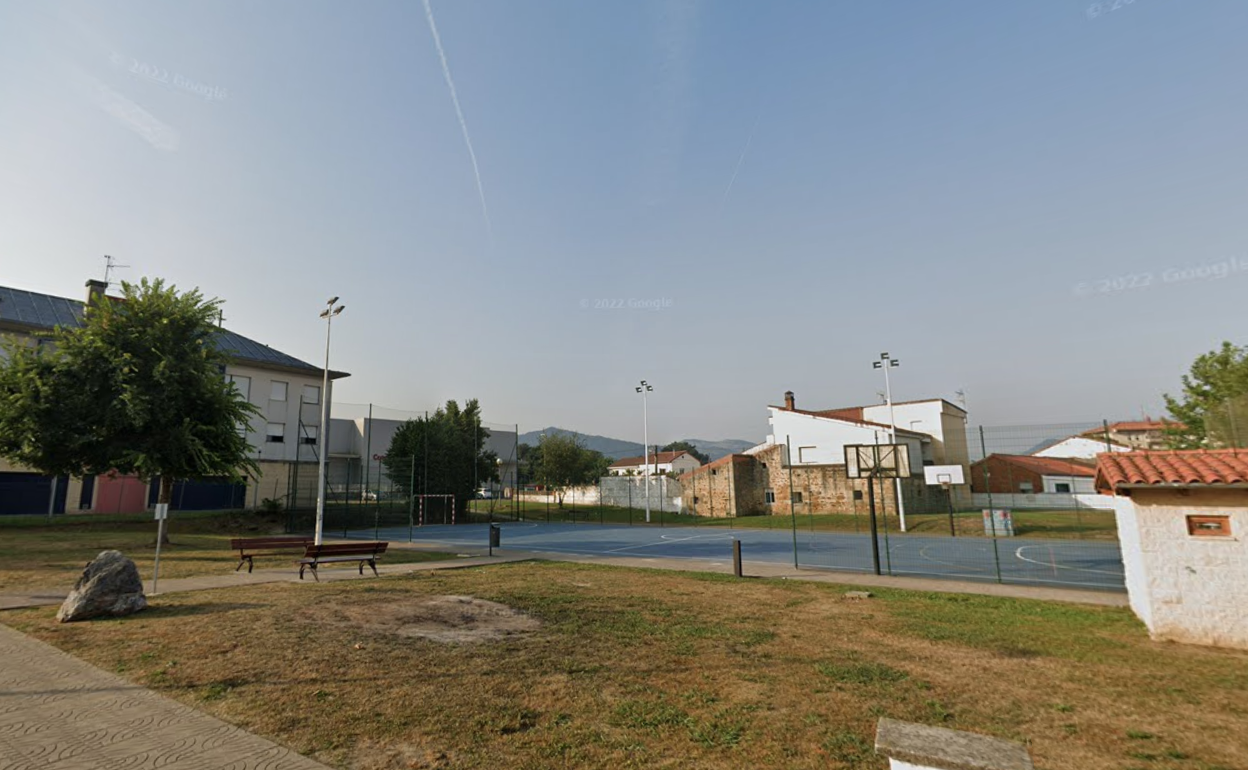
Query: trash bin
x=495, y=535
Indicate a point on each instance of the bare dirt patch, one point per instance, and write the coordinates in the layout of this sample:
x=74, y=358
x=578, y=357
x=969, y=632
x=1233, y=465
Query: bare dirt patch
x=447, y=619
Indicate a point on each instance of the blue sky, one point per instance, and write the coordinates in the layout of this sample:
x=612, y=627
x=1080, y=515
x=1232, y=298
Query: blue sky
x=798, y=186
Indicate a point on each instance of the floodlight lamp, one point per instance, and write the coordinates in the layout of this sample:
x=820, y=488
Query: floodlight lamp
x=339, y=309
x=883, y=356
x=325, y=313
x=894, y=362
x=876, y=365
x=332, y=301
x=638, y=390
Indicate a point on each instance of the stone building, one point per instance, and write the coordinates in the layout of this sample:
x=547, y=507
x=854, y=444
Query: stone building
x=800, y=468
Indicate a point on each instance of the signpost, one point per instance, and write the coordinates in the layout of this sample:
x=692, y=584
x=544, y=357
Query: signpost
x=162, y=513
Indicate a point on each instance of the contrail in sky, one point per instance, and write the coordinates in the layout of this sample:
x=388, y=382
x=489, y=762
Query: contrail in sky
x=741, y=159
x=459, y=113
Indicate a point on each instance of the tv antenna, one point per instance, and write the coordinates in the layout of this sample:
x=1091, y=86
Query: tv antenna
x=110, y=264
x=961, y=394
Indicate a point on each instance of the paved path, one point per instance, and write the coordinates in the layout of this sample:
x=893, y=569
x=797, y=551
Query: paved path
x=60, y=713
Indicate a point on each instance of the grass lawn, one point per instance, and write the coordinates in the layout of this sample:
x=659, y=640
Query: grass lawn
x=35, y=554
x=1067, y=524
x=638, y=668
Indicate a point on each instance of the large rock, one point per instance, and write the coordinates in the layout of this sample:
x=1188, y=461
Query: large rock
x=109, y=587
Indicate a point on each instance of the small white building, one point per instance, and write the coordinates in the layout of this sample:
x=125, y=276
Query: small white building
x=1183, y=524
x=660, y=463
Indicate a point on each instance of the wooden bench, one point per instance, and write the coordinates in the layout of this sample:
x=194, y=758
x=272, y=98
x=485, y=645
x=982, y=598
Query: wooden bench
x=250, y=547
x=364, y=553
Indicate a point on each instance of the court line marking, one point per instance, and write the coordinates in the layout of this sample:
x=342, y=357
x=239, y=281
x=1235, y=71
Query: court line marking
x=1019, y=554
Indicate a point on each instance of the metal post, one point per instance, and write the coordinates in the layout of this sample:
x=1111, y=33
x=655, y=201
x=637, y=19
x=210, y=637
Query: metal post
x=949, y=497
x=645, y=418
x=411, y=497
x=328, y=314
x=788, y=461
x=736, y=557
x=875, y=534
x=52, y=499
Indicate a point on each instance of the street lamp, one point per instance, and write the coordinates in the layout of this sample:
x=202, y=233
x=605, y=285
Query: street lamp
x=328, y=314
x=643, y=389
x=887, y=362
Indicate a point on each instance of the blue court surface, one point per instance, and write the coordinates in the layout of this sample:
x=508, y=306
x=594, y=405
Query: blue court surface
x=1028, y=561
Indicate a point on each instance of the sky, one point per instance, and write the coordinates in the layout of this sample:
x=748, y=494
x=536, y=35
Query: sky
x=1040, y=203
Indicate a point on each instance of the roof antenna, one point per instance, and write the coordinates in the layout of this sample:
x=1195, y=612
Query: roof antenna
x=110, y=264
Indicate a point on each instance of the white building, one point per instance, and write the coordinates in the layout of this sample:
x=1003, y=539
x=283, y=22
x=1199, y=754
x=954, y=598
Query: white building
x=284, y=435
x=934, y=430
x=1182, y=520
x=660, y=463
x=1079, y=448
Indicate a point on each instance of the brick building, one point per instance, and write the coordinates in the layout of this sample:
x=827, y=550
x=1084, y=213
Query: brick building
x=1028, y=474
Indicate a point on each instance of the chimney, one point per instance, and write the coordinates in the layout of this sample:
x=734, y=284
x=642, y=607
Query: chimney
x=95, y=291
x=788, y=400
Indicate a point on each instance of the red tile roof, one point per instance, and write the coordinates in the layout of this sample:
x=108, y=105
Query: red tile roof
x=1046, y=466
x=1143, y=425
x=1172, y=468
x=656, y=458
x=852, y=414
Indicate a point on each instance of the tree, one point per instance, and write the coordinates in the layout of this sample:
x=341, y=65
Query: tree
x=1213, y=410
x=563, y=462
x=677, y=446
x=443, y=454
x=136, y=389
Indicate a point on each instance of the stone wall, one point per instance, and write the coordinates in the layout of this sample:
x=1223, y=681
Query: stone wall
x=1187, y=588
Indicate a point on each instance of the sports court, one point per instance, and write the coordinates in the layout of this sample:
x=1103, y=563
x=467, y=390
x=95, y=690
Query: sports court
x=1026, y=561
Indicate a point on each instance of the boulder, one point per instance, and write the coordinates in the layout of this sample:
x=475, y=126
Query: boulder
x=109, y=587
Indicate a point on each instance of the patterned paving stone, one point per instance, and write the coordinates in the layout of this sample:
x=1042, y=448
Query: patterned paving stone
x=59, y=713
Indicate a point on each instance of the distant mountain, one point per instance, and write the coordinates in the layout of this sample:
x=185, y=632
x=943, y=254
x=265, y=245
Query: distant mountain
x=616, y=448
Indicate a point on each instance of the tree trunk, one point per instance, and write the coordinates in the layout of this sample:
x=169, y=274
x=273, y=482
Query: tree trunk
x=166, y=496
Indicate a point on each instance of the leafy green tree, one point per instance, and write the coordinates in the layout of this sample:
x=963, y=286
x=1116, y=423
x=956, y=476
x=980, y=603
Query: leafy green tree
x=562, y=461
x=444, y=454
x=677, y=446
x=1212, y=410
x=138, y=389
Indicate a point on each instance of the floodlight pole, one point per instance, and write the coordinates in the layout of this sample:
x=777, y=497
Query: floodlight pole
x=886, y=362
x=328, y=314
x=643, y=389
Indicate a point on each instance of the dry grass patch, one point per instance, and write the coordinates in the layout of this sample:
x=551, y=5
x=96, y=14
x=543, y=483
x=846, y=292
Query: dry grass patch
x=636, y=668
x=451, y=619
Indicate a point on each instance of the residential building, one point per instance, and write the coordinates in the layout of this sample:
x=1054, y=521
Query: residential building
x=284, y=435
x=1028, y=475
x=1140, y=434
x=358, y=447
x=801, y=465
x=1182, y=517
x=660, y=463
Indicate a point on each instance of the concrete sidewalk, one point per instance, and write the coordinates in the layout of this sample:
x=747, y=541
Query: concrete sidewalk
x=60, y=713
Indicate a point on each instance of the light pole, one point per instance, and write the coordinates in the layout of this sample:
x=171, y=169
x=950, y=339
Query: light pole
x=328, y=314
x=887, y=362
x=643, y=389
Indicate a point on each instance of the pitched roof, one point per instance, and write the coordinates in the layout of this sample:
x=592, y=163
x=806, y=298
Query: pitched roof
x=1142, y=425
x=33, y=311
x=714, y=464
x=1045, y=466
x=1193, y=467
x=656, y=458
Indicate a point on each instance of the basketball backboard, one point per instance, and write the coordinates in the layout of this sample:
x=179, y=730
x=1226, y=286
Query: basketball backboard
x=939, y=475
x=863, y=461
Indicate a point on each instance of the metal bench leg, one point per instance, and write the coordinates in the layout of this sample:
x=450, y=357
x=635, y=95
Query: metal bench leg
x=240, y=564
x=301, y=568
x=314, y=573
x=250, y=563
x=372, y=563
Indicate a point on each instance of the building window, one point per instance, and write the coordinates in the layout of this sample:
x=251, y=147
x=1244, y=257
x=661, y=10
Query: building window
x=797, y=497
x=275, y=433
x=311, y=394
x=1061, y=487
x=278, y=391
x=769, y=496
x=695, y=499
x=857, y=494
x=241, y=384
x=1026, y=487
x=1209, y=526
x=310, y=433
x=806, y=454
